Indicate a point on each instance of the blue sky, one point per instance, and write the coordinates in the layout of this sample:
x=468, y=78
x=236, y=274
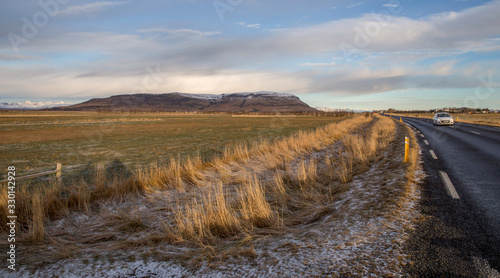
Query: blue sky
x=340, y=54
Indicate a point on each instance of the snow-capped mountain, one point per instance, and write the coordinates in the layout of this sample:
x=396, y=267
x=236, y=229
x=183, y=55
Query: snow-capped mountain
x=31, y=105
x=233, y=102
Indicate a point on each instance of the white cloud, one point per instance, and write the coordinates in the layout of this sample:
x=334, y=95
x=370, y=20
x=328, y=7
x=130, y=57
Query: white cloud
x=59, y=85
x=354, y=5
x=318, y=64
x=88, y=8
x=255, y=25
x=16, y=57
x=215, y=64
x=180, y=32
x=443, y=68
x=465, y=31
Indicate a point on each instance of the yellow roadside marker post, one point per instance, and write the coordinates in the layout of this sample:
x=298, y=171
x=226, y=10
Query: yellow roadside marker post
x=407, y=149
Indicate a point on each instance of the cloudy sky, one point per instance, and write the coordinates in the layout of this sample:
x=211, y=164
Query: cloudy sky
x=340, y=54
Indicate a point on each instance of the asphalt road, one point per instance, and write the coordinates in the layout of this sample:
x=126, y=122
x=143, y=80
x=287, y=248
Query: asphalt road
x=459, y=235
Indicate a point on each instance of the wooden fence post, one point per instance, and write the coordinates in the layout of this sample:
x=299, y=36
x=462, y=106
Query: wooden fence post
x=59, y=173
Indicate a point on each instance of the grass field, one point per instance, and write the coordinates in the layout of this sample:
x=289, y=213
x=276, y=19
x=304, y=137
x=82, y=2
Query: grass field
x=485, y=119
x=104, y=155
x=309, y=183
x=35, y=141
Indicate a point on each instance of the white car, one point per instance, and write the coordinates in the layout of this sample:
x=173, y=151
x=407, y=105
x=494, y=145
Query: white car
x=442, y=118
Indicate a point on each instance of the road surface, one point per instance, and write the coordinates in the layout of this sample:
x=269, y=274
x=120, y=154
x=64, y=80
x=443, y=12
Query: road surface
x=460, y=233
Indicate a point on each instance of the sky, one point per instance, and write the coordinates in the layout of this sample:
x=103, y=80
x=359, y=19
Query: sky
x=403, y=54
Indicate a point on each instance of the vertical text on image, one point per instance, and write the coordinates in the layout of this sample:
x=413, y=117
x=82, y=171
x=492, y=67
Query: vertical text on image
x=11, y=217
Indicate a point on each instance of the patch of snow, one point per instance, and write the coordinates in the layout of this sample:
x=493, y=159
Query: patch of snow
x=262, y=93
x=201, y=96
x=240, y=94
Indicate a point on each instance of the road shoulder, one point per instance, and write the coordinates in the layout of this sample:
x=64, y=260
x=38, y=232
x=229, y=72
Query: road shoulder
x=450, y=240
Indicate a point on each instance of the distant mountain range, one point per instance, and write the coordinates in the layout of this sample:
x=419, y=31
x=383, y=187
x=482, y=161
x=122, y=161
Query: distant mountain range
x=181, y=102
x=29, y=105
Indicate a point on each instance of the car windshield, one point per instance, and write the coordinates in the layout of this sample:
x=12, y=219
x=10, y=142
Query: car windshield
x=443, y=115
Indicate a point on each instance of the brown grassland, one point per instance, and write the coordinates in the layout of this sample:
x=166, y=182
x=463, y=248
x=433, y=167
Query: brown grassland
x=219, y=205
x=35, y=141
x=111, y=148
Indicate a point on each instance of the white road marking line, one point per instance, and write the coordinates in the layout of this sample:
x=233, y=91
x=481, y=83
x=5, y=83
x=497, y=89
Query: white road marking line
x=421, y=135
x=433, y=154
x=449, y=186
x=475, y=132
x=426, y=142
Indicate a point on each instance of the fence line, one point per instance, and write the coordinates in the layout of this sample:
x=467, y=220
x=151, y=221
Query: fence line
x=57, y=171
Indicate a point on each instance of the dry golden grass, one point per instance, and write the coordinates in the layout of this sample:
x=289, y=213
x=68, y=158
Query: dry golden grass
x=290, y=195
x=259, y=195
x=412, y=165
x=359, y=150
x=212, y=215
x=219, y=214
x=36, y=229
x=253, y=206
x=205, y=218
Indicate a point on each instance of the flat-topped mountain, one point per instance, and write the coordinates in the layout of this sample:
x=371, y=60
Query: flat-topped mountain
x=181, y=102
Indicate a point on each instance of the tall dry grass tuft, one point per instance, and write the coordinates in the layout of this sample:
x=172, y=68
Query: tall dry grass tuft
x=360, y=150
x=54, y=202
x=190, y=168
x=80, y=197
x=37, y=228
x=345, y=168
x=306, y=174
x=254, y=208
x=3, y=205
x=220, y=219
x=174, y=175
x=278, y=191
x=211, y=215
x=204, y=218
x=235, y=153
